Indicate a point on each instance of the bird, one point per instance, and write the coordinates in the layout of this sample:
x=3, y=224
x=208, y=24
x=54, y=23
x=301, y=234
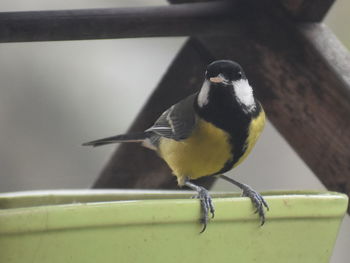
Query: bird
x=207, y=134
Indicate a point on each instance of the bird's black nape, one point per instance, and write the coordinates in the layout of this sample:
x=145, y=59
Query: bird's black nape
x=228, y=69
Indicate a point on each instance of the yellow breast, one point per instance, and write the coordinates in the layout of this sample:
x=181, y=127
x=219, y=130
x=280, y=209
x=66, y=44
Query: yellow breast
x=205, y=152
x=255, y=128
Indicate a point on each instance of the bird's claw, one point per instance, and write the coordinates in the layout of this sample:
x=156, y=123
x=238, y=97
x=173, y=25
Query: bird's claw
x=258, y=201
x=206, y=206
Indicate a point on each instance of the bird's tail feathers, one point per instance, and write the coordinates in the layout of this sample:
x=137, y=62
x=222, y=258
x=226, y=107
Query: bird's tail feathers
x=130, y=137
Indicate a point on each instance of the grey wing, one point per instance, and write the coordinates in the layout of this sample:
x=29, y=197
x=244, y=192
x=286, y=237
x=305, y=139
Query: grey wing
x=178, y=121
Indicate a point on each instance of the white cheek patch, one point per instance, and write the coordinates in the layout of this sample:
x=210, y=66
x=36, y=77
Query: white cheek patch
x=203, y=96
x=244, y=93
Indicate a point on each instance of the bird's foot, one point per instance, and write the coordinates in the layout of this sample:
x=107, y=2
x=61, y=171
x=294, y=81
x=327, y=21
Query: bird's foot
x=206, y=206
x=258, y=201
x=205, y=201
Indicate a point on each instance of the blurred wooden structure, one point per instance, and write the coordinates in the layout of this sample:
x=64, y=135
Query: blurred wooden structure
x=299, y=68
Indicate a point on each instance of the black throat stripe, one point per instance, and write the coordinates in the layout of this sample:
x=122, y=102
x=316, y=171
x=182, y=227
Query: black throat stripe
x=226, y=113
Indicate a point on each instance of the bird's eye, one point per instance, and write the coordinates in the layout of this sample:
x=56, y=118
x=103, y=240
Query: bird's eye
x=239, y=74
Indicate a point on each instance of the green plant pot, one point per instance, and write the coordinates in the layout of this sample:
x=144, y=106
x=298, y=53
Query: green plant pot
x=163, y=226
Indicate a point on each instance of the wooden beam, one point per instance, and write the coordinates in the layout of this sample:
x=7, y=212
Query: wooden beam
x=334, y=54
x=307, y=10
x=190, y=19
x=299, y=10
x=175, y=20
x=133, y=166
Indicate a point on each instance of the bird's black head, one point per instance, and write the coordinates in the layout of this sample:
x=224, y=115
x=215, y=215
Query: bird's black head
x=226, y=84
x=224, y=71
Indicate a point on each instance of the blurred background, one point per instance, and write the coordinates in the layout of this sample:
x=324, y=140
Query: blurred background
x=56, y=95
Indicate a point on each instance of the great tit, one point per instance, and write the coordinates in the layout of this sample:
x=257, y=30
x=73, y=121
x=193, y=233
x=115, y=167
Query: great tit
x=208, y=133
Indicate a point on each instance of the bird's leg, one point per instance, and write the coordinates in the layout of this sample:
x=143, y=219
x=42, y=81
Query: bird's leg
x=206, y=203
x=256, y=198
